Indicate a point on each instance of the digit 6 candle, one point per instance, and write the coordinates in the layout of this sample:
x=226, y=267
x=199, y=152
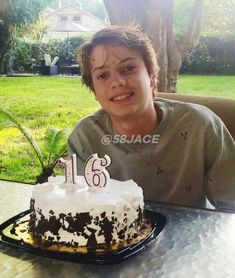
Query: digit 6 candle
x=95, y=170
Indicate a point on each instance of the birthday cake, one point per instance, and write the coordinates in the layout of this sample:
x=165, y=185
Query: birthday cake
x=77, y=214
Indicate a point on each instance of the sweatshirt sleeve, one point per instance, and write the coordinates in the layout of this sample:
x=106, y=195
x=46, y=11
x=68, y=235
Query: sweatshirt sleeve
x=220, y=166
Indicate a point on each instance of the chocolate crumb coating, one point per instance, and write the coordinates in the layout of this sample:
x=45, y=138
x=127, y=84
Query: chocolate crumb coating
x=79, y=226
x=82, y=217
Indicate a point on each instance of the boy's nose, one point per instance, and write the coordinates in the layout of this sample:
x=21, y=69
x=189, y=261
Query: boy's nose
x=118, y=80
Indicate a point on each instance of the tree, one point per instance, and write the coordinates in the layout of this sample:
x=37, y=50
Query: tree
x=36, y=30
x=220, y=17
x=155, y=18
x=94, y=7
x=16, y=13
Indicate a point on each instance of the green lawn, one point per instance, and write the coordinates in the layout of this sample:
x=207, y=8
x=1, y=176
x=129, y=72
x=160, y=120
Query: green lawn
x=39, y=103
x=220, y=86
x=42, y=102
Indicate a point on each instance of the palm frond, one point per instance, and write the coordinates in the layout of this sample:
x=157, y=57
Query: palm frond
x=25, y=132
x=55, y=144
x=59, y=155
x=6, y=125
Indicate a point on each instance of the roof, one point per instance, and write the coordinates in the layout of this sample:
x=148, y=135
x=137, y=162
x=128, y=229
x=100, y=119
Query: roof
x=68, y=27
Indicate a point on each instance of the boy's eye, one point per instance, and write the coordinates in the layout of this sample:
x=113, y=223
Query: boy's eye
x=129, y=68
x=102, y=76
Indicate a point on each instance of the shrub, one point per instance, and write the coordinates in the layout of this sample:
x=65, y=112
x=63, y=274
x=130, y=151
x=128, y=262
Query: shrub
x=23, y=56
x=211, y=56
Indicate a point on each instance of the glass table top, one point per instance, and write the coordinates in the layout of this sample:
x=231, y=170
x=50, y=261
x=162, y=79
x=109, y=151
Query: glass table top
x=194, y=243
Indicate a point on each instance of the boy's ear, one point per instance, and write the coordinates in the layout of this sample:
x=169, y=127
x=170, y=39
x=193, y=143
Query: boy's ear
x=153, y=81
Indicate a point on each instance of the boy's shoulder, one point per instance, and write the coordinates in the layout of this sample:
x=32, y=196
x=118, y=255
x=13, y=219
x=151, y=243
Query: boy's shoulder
x=194, y=111
x=98, y=117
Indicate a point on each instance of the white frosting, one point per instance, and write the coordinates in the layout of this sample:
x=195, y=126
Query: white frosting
x=56, y=195
x=120, y=200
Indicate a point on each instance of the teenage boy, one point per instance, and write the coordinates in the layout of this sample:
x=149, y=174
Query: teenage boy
x=177, y=152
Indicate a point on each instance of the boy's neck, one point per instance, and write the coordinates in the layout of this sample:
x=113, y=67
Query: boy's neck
x=142, y=125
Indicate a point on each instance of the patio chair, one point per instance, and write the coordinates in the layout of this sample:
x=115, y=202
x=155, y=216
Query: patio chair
x=223, y=107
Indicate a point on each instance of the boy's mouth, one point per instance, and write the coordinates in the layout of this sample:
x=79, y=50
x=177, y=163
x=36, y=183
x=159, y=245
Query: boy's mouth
x=122, y=97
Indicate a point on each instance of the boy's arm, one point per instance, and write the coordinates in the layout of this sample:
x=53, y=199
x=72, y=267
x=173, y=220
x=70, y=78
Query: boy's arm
x=220, y=167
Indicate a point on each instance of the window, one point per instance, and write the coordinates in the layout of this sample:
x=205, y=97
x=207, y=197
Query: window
x=77, y=18
x=63, y=18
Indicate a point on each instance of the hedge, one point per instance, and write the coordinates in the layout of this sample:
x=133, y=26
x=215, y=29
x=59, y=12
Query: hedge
x=211, y=56
x=24, y=56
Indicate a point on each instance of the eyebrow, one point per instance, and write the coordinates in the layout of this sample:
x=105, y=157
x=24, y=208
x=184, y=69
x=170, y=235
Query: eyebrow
x=121, y=62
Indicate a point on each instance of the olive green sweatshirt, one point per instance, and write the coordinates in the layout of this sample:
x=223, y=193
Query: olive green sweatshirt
x=189, y=157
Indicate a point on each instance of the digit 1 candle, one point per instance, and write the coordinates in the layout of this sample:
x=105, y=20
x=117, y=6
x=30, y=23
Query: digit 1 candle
x=95, y=170
x=70, y=169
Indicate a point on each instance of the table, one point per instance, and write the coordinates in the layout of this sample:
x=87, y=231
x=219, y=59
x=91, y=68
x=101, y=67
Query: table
x=194, y=244
x=48, y=70
x=70, y=70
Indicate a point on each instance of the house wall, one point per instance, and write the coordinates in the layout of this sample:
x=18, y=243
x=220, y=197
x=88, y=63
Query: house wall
x=90, y=22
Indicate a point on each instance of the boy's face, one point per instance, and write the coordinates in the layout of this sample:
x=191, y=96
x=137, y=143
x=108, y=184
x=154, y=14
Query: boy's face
x=121, y=82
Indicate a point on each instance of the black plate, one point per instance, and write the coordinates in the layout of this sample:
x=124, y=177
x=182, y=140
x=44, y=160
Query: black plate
x=157, y=220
